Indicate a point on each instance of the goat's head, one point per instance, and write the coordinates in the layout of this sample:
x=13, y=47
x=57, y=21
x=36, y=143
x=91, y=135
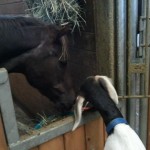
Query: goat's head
x=92, y=90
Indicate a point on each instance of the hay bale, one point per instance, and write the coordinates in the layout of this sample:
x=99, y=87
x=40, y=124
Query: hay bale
x=57, y=11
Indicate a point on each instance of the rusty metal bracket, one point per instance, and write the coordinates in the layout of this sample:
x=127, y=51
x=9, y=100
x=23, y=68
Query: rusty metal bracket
x=137, y=68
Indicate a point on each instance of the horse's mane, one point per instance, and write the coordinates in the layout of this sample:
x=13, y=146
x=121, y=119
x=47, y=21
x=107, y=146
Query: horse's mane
x=20, y=21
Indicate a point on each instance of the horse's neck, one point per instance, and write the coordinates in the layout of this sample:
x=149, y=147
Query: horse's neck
x=18, y=63
x=20, y=41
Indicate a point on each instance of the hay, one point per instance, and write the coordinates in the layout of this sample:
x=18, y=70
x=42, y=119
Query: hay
x=57, y=11
x=44, y=120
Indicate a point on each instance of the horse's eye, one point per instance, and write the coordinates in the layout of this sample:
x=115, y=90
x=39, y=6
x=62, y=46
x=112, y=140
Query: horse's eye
x=59, y=88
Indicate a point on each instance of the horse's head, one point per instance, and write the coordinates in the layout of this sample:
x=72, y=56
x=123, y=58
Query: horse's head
x=51, y=77
x=39, y=59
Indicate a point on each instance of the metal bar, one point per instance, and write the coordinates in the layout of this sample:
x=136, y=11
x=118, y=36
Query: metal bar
x=147, y=39
x=132, y=11
x=144, y=102
x=7, y=109
x=133, y=96
x=51, y=131
x=120, y=30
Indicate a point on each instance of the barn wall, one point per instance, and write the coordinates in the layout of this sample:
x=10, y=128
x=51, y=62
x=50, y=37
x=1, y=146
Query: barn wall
x=92, y=50
x=83, y=50
x=12, y=7
x=86, y=137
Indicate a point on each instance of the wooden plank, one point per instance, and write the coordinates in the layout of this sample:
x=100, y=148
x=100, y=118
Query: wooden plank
x=83, y=41
x=14, y=8
x=3, y=144
x=89, y=16
x=29, y=97
x=82, y=64
x=95, y=135
x=104, y=30
x=55, y=144
x=79, y=72
x=81, y=57
x=75, y=140
x=35, y=148
x=3, y=2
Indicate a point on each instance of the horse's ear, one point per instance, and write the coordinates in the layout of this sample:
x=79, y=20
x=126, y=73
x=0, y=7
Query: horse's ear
x=63, y=29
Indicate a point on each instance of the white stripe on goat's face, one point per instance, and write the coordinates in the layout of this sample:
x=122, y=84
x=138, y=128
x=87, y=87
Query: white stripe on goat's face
x=106, y=82
x=78, y=111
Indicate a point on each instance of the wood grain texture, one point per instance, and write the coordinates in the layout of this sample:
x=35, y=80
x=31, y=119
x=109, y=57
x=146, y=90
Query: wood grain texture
x=95, y=135
x=3, y=144
x=104, y=33
x=75, y=140
x=55, y=144
x=13, y=8
x=35, y=148
x=82, y=64
x=28, y=97
x=83, y=41
x=3, y=2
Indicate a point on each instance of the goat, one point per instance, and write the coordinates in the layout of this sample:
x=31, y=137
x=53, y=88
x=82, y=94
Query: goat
x=99, y=91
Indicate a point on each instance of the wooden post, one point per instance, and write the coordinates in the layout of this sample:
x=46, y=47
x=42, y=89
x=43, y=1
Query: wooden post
x=3, y=144
x=55, y=144
x=95, y=135
x=104, y=36
x=75, y=140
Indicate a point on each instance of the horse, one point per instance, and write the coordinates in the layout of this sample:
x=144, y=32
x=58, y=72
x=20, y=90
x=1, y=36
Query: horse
x=32, y=47
x=20, y=34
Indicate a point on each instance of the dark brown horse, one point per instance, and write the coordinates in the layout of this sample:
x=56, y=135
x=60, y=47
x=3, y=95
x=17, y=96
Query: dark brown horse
x=31, y=47
x=21, y=34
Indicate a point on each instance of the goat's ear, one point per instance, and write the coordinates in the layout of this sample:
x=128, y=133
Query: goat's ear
x=63, y=29
x=107, y=84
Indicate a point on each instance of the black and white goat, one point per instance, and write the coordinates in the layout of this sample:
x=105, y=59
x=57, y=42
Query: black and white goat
x=99, y=91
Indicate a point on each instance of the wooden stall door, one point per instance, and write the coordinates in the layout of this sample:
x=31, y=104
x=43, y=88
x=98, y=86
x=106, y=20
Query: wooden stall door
x=16, y=7
x=95, y=135
x=90, y=136
x=75, y=140
x=3, y=143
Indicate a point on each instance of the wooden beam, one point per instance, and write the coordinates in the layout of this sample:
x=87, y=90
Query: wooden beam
x=75, y=140
x=104, y=36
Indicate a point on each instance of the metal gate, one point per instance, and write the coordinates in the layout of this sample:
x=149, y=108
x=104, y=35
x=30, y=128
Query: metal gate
x=132, y=45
